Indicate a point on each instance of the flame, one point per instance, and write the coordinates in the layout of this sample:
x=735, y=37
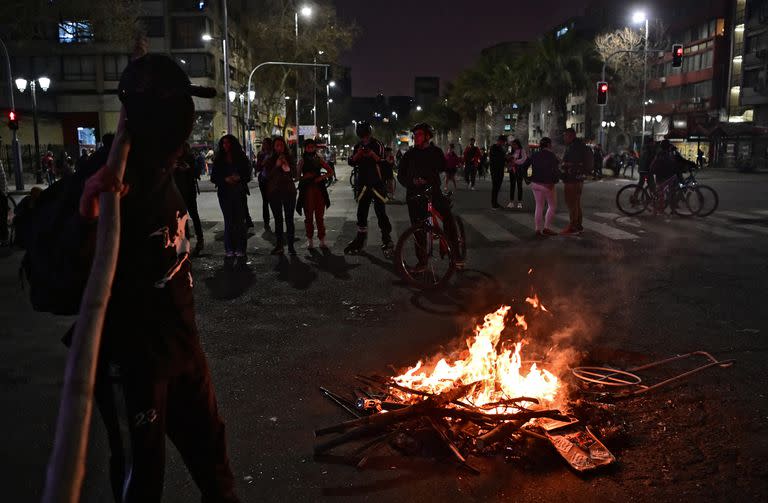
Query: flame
x=496, y=368
x=534, y=301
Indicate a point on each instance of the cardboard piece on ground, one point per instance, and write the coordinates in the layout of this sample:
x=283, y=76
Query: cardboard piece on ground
x=580, y=448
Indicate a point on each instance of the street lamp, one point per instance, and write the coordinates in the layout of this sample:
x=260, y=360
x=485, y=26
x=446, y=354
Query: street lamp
x=305, y=11
x=637, y=18
x=207, y=37
x=328, y=100
x=418, y=108
x=21, y=85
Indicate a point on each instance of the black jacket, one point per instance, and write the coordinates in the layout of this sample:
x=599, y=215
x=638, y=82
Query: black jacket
x=497, y=156
x=426, y=163
x=545, y=167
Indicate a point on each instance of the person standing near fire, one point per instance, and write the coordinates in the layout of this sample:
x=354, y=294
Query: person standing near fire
x=366, y=158
x=313, y=193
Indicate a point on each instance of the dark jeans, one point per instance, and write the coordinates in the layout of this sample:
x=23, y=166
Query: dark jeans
x=516, y=180
x=470, y=172
x=572, y=192
x=191, y=203
x=232, y=207
x=139, y=409
x=364, y=205
x=283, y=205
x=246, y=213
x=497, y=178
x=264, y=201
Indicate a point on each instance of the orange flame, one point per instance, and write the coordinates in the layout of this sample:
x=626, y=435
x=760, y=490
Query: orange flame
x=534, y=301
x=497, y=370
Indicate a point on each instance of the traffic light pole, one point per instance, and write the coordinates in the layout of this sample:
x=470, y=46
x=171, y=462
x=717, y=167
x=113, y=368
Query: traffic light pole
x=15, y=143
x=601, y=131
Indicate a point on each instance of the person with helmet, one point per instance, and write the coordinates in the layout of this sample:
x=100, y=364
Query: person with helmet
x=366, y=157
x=420, y=168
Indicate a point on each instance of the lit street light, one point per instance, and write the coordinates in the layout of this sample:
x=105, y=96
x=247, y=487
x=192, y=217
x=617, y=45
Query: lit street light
x=637, y=18
x=207, y=37
x=305, y=11
x=21, y=85
x=418, y=108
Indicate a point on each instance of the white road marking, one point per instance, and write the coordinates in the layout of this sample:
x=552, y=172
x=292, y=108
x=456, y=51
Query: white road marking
x=489, y=229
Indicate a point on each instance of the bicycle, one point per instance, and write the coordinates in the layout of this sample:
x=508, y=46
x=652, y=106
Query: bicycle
x=636, y=198
x=707, y=196
x=353, y=183
x=424, y=256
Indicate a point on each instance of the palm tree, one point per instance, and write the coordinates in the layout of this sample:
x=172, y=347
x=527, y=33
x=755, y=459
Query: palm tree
x=556, y=68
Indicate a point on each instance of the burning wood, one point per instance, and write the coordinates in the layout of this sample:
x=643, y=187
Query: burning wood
x=474, y=402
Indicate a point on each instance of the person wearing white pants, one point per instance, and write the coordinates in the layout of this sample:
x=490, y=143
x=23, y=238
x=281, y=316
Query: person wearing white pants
x=545, y=174
x=544, y=192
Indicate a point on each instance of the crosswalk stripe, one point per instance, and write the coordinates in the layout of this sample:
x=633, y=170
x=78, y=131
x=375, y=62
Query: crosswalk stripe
x=524, y=219
x=747, y=227
x=600, y=228
x=621, y=219
x=716, y=230
x=489, y=229
x=761, y=212
x=736, y=214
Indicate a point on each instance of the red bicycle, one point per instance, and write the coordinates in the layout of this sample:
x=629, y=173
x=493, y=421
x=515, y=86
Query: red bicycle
x=424, y=256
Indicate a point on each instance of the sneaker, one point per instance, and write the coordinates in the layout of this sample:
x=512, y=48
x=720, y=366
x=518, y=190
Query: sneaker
x=472, y=187
x=549, y=232
x=568, y=231
x=520, y=205
x=510, y=205
x=310, y=243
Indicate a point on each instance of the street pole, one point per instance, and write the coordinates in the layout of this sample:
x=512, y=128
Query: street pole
x=15, y=142
x=645, y=98
x=38, y=175
x=601, y=131
x=328, y=107
x=225, y=50
x=314, y=92
x=296, y=75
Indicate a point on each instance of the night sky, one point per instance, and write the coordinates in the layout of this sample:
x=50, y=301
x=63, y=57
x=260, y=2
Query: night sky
x=400, y=40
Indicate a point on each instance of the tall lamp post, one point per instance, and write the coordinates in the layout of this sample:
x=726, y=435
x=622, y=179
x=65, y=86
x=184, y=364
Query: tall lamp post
x=207, y=37
x=21, y=85
x=305, y=11
x=15, y=142
x=328, y=101
x=637, y=18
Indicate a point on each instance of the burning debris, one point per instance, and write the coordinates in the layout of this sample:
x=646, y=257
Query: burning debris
x=478, y=402
x=488, y=400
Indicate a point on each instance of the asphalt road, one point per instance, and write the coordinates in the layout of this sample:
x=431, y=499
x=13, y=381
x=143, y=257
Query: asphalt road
x=629, y=290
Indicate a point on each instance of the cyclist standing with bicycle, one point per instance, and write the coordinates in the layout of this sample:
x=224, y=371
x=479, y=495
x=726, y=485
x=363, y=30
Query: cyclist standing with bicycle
x=366, y=158
x=420, y=168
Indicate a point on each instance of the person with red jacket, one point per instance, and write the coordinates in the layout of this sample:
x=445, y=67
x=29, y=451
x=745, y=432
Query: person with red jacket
x=452, y=162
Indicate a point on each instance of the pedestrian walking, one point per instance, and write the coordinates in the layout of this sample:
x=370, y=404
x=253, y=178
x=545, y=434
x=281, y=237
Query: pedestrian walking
x=261, y=173
x=313, y=192
x=544, y=176
x=471, y=157
x=230, y=173
x=518, y=170
x=452, y=162
x=498, y=157
x=366, y=158
x=281, y=193
x=49, y=167
x=185, y=176
x=153, y=379
x=597, y=154
x=483, y=167
x=577, y=164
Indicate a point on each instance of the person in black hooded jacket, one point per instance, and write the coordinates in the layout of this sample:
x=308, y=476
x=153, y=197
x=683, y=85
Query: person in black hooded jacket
x=231, y=172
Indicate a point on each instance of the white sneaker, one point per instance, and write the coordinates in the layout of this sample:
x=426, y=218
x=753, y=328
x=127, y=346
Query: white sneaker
x=510, y=205
x=520, y=205
x=310, y=244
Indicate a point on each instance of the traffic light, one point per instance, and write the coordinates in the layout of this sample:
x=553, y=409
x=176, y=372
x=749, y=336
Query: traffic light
x=677, y=55
x=602, y=93
x=13, y=120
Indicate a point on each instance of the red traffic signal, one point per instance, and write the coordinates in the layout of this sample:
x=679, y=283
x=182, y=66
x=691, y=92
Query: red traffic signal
x=13, y=120
x=677, y=55
x=602, y=93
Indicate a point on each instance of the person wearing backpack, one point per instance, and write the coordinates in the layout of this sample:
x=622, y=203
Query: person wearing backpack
x=153, y=378
x=578, y=163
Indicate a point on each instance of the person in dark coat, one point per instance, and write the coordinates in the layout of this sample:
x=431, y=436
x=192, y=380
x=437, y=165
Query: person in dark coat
x=230, y=174
x=281, y=193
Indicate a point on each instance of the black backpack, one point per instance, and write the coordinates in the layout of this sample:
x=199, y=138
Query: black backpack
x=58, y=257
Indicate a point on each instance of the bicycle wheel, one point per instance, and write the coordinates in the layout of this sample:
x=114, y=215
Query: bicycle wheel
x=461, y=239
x=685, y=202
x=424, y=258
x=632, y=199
x=710, y=200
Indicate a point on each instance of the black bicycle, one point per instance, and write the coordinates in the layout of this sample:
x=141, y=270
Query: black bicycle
x=424, y=256
x=704, y=195
x=636, y=198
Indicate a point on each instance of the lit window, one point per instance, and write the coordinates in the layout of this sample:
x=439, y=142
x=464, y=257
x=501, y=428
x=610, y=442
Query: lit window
x=507, y=127
x=561, y=32
x=75, y=31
